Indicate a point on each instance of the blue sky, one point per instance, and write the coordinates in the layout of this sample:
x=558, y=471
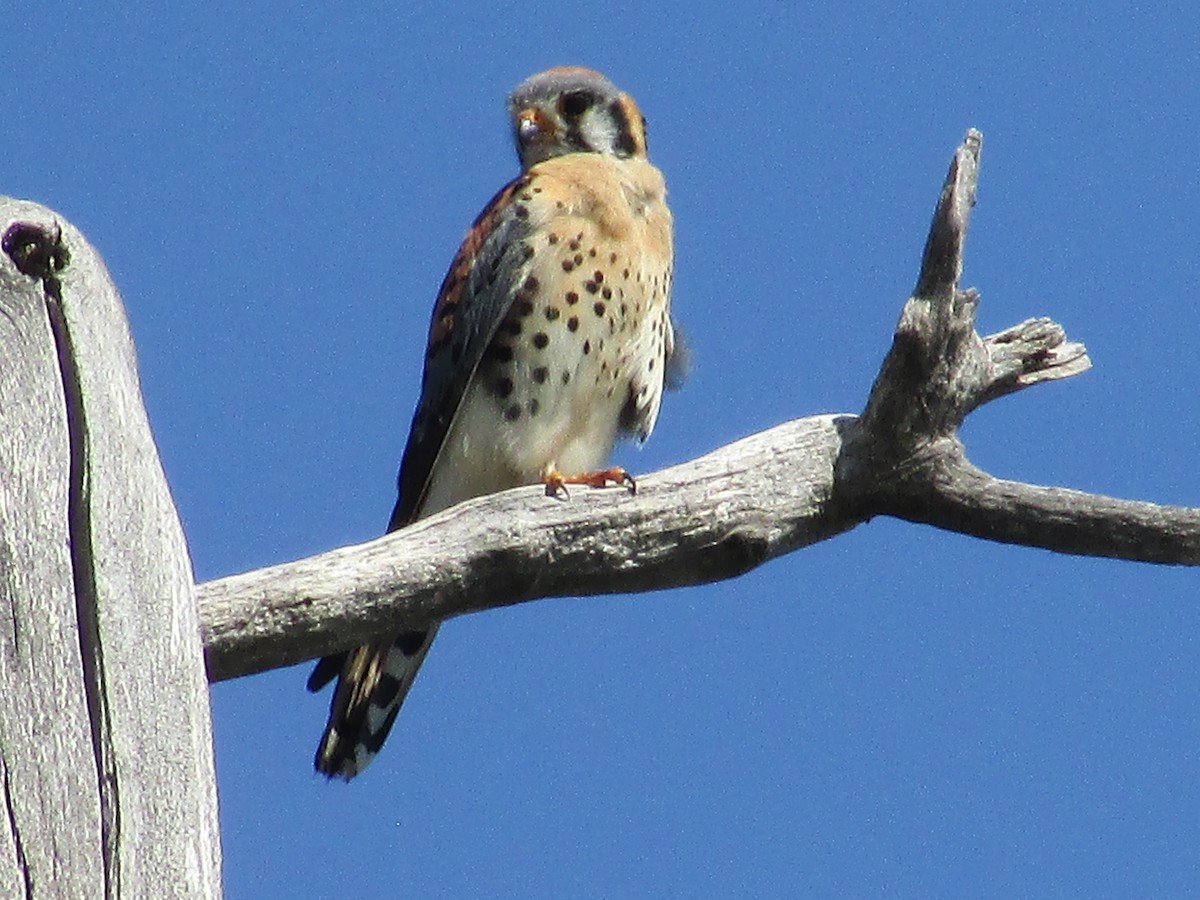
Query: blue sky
x=278, y=190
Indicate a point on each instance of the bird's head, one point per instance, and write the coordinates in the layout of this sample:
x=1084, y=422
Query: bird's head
x=570, y=109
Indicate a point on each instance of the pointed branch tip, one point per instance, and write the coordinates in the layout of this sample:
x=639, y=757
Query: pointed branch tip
x=941, y=264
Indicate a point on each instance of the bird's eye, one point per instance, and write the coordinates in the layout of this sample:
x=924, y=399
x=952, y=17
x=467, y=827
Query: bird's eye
x=574, y=104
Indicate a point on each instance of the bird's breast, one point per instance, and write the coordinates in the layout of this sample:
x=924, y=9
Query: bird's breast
x=578, y=357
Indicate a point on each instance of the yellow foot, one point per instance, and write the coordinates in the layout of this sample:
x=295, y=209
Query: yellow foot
x=556, y=482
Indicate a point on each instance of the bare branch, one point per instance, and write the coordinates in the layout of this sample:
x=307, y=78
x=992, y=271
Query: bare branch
x=941, y=264
x=957, y=496
x=725, y=513
x=709, y=519
x=1034, y=351
x=706, y=520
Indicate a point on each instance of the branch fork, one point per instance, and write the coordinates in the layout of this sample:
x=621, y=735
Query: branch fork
x=731, y=510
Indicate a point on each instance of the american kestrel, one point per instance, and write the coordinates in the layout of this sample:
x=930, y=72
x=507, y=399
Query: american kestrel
x=550, y=339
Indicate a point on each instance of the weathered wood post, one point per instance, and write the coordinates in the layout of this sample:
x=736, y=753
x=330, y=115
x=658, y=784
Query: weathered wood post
x=106, y=772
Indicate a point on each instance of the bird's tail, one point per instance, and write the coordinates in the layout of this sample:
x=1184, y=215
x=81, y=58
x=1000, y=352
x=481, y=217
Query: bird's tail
x=372, y=683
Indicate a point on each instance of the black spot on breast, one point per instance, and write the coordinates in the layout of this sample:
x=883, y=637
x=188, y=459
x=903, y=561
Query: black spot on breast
x=498, y=353
x=541, y=340
x=512, y=412
x=540, y=374
x=502, y=387
x=572, y=298
x=573, y=323
x=598, y=308
x=552, y=313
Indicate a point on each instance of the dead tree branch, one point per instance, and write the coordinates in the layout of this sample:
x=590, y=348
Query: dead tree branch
x=725, y=513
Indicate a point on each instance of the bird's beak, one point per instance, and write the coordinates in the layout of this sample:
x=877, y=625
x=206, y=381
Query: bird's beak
x=534, y=126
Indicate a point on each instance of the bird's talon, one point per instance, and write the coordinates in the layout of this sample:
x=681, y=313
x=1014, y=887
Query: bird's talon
x=556, y=482
x=616, y=476
x=556, y=485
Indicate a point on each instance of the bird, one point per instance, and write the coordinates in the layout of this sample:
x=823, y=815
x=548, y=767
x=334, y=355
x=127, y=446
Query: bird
x=551, y=339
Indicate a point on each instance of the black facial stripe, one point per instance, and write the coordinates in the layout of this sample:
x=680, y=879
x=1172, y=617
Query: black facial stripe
x=625, y=144
x=574, y=104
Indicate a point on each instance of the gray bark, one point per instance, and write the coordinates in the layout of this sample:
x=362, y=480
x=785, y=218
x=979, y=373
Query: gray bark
x=106, y=765
x=106, y=773
x=727, y=512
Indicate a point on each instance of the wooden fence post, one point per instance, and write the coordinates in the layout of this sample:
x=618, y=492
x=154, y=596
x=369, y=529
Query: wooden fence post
x=106, y=771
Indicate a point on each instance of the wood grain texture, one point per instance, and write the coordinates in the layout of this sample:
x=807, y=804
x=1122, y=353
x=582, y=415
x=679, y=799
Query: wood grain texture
x=105, y=758
x=711, y=518
x=51, y=827
x=727, y=512
x=105, y=740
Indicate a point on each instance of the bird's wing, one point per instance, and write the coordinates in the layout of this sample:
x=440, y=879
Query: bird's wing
x=474, y=299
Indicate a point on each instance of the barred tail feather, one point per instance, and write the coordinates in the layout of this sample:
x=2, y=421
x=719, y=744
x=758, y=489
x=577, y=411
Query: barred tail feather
x=373, y=682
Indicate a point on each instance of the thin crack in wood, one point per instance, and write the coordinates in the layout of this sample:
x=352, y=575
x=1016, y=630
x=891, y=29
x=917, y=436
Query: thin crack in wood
x=14, y=830
x=46, y=256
